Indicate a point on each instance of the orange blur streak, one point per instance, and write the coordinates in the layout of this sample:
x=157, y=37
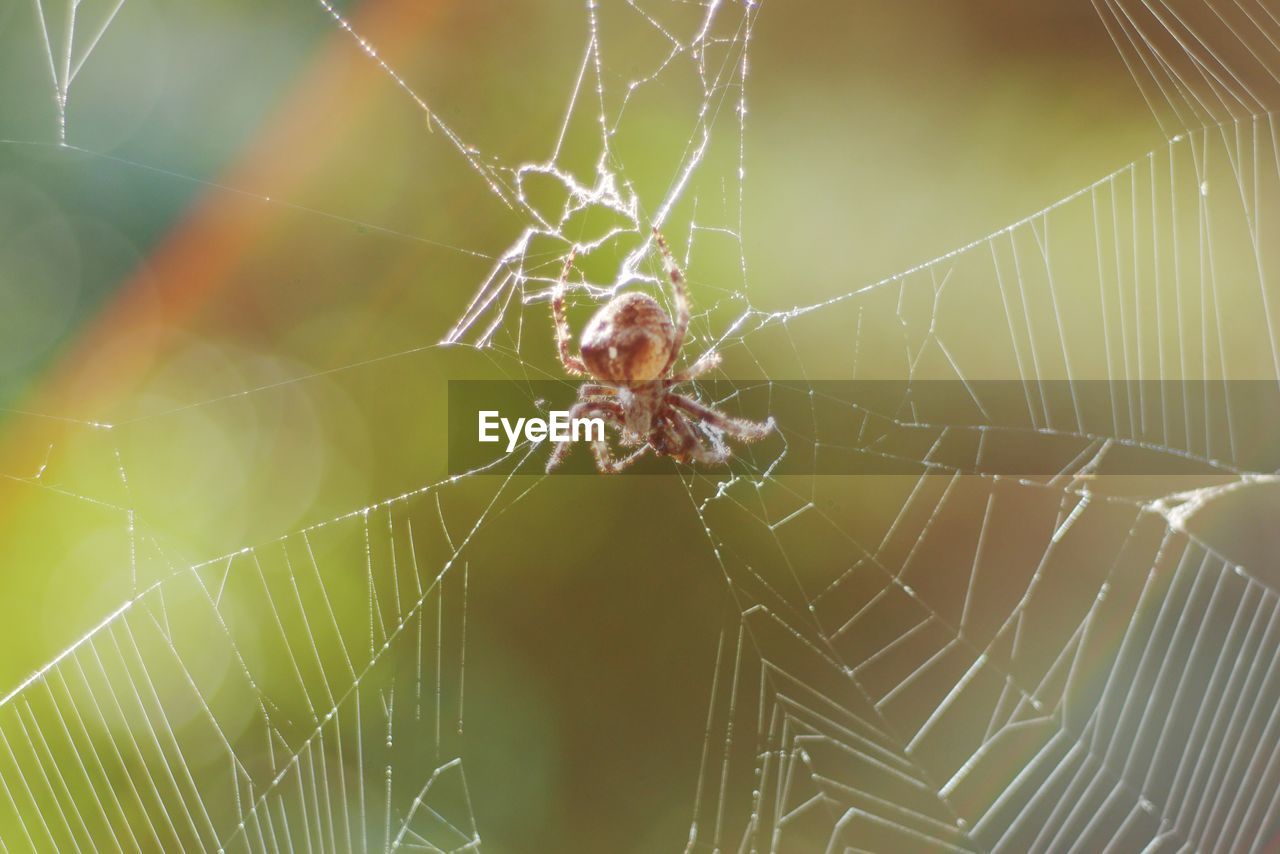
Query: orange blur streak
x=200, y=257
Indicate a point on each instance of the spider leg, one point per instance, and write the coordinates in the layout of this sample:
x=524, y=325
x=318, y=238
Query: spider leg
x=610, y=413
x=607, y=394
x=571, y=363
x=707, y=362
x=738, y=428
x=611, y=466
x=685, y=436
x=605, y=463
x=682, y=300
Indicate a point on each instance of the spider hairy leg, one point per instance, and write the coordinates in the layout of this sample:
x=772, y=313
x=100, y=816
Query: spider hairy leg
x=682, y=433
x=706, y=363
x=607, y=465
x=612, y=414
x=571, y=363
x=738, y=428
x=682, y=299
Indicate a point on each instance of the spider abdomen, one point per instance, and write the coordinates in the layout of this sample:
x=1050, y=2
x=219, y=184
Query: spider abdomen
x=629, y=340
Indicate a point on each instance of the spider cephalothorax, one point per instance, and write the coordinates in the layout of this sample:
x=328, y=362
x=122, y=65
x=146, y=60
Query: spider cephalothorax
x=629, y=347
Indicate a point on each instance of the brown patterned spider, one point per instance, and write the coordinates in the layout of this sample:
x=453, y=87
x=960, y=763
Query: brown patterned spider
x=630, y=347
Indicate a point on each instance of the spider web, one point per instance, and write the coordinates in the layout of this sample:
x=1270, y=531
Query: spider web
x=978, y=662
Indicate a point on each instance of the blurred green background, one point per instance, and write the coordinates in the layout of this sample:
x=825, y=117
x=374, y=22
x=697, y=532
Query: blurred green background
x=249, y=200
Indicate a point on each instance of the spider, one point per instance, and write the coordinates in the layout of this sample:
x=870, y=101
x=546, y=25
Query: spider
x=629, y=348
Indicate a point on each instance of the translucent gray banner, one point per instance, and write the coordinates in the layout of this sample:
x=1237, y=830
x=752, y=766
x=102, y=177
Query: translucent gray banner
x=875, y=427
